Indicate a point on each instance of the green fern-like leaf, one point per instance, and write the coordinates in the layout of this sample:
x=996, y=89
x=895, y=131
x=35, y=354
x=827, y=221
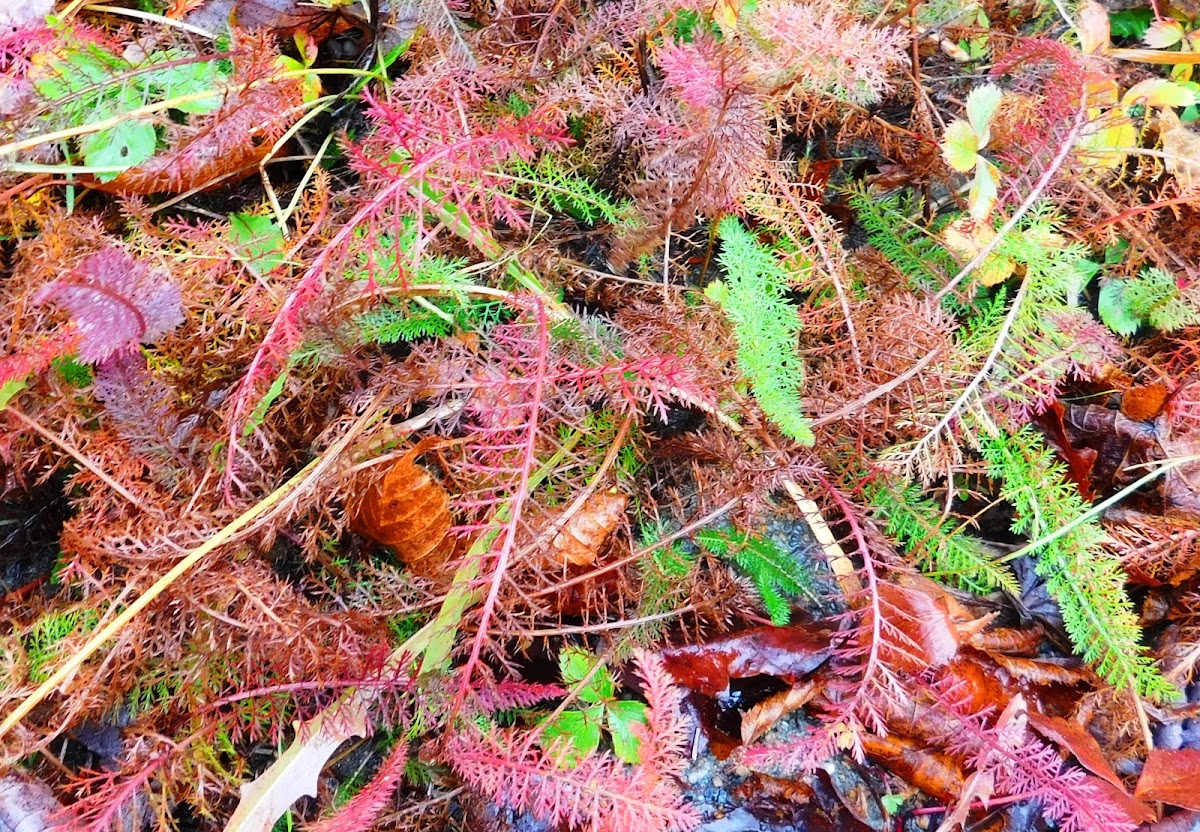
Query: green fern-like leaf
x=914, y=250
x=1152, y=298
x=43, y=642
x=934, y=543
x=765, y=326
x=1087, y=583
x=551, y=183
x=776, y=574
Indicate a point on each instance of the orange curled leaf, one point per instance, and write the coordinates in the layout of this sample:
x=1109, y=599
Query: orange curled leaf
x=409, y=512
x=585, y=533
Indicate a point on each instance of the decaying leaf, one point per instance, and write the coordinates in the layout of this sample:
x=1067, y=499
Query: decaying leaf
x=966, y=238
x=933, y=772
x=294, y=773
x=409, y=512
x=1171, y=776
x=1072, y=737
x=759, y=719
x=586, y=531
x=1181, y=149
x=26, y=805
x=788, y=653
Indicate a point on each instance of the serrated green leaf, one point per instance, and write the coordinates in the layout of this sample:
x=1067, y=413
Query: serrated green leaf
x=622, y=716
x=575, y=734
x=981, y=106
x=574, y=664
x=1130, y=23
x=960, y=148
x=1163, y=33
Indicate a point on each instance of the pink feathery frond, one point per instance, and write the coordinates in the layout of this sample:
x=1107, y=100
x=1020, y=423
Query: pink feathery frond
x=1005, y=752
x=598, y=795
x=117, y=302
x=810, y=49
x=412, y=167
x=361, y=811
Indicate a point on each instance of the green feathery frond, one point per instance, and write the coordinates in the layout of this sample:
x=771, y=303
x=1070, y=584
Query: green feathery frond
x=1087, y=583
x=933, y=541
x=667, y=577
x=1152, y=298
x=914, y=250
x=549, y=183
x=776, y=574
x=765, y=326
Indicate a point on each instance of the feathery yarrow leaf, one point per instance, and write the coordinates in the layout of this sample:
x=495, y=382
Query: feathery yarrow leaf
x=765, y=326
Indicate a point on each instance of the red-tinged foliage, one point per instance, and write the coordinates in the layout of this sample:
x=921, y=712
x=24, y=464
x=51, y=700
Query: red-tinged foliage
x=1001, y=751
x=36, y=359
x=934, y=772
x=1071, y=737
x=419, y=161
x=1170, y=775
x=116, y=301
x=230, y=142
x=360, y=812
x=600, y=793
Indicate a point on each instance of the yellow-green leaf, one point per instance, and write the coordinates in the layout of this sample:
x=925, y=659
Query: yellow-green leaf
x=1105, y=142
x=1163, y=33
x=961, y=146
x=965, y=238
x=984, y=189
x=1158, y=92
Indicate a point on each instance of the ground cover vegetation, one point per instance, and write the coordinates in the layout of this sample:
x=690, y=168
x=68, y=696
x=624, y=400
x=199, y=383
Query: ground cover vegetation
x=600, y=415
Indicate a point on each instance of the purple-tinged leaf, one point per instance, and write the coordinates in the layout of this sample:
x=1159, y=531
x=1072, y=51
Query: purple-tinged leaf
x=117, y=302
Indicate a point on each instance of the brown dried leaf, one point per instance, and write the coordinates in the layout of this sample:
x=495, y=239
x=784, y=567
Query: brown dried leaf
x=1181, y=148
x=1044, y=671
x=1072, y=737
x=759, y=719
x=1015, y=642
x=1171, y=776
x=933, y=772
x=407, y=511
x=788, y=653
x=585, y=533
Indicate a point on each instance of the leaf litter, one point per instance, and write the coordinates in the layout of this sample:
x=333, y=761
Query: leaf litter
x=638, y=415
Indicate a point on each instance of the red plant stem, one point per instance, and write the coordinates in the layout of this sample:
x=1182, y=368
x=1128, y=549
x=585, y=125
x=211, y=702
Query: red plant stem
x=979, y=805
x=515, y=508
x=1141, y=209
x=873, y=660
x=279, y=336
